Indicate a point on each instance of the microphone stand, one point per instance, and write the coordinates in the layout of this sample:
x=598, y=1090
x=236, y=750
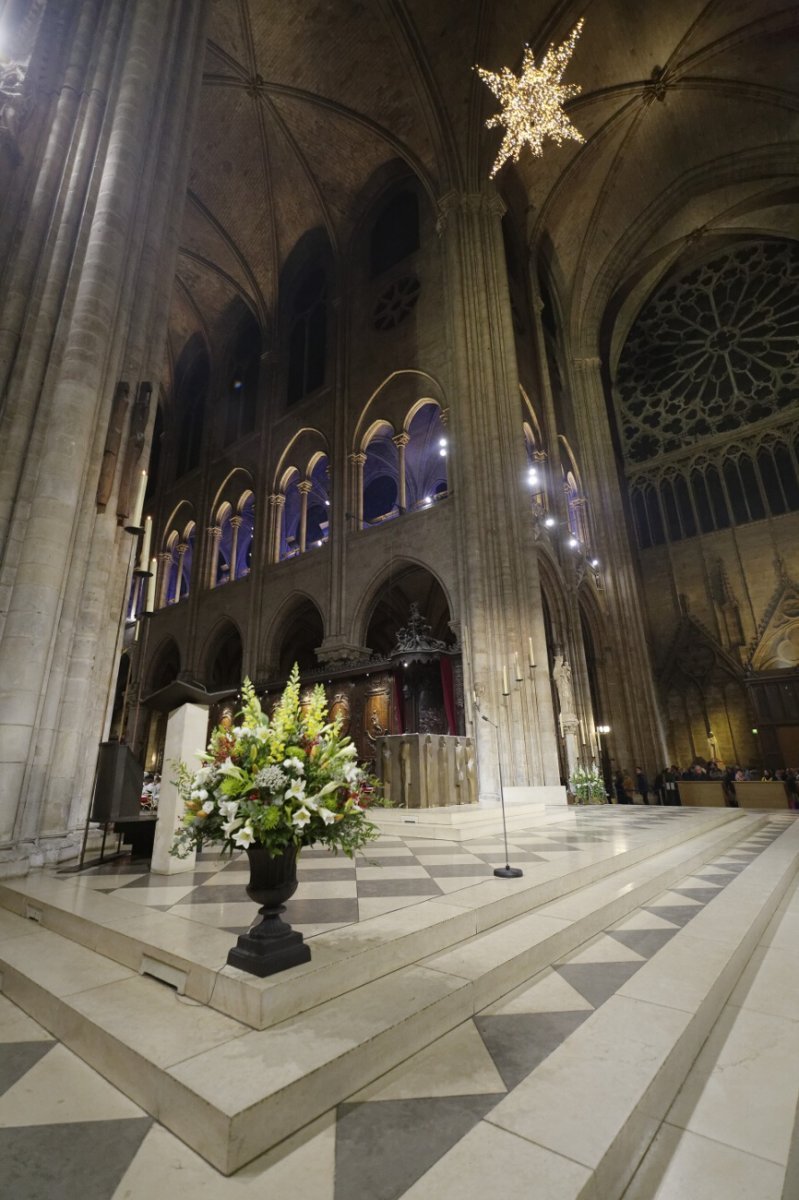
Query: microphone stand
x=506, y=872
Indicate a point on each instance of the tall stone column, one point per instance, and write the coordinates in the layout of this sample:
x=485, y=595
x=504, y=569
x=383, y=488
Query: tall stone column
x=277, y=503
x=164, y=565
x=304, y=488
x=235, y=526
x=638, y=731
x=104, y=283
x=401, y=441
x=499, y=584
x=358, y=463
x=213, y=537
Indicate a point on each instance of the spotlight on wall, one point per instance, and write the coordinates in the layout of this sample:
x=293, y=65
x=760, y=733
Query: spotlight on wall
x=443, y=442
x=327, y=504
x=603, y=729
x=573, y=543
x=443, y=452
x=594, y=563
x=428, y=499
x=237, y=385
x=550, y=521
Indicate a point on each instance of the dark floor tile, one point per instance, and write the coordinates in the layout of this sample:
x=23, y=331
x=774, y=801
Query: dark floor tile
x=643, y=941
x=703, y=895
x=312, y=912
x=597, y=982
x=677, y=914
x=17, y=1058
x=519, y=1042
x=84, y=1161
x=369, y=888
x=195, y=877
x=479, y=870
x=382, y=1148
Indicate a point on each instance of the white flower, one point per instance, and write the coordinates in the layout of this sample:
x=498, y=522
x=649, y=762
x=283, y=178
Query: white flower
x=245, y=837
x=230, y=827
x=296, y=790
x=301, y=817
x=350, y=748
x=327, y=816
x=352, y=773
x=296, y=763
x=228, y=767
x=208, y=807
x=228, y=808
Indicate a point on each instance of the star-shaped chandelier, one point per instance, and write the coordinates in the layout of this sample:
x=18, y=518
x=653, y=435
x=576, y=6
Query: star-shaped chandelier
x=532, y=104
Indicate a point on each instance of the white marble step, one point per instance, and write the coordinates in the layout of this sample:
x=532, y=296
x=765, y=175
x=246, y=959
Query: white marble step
x=192, y=956
x=231, y=1092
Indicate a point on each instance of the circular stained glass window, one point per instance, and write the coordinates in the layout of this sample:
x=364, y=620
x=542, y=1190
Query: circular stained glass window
x=712, y=351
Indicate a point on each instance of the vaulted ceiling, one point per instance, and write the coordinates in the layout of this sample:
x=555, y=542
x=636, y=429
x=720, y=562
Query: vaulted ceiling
x=689, y=108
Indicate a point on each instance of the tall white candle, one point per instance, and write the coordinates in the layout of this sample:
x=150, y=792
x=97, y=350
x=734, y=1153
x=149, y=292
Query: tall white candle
x=516, y=665
x=149, y=603
x=135, y=516
x=144, y=554
x=530, y=655
x=505, y=688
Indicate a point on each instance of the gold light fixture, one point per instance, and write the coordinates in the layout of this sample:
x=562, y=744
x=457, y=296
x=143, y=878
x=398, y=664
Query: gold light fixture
x=532, y=104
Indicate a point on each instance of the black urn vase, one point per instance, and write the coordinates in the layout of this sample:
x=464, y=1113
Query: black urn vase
x=271, y=945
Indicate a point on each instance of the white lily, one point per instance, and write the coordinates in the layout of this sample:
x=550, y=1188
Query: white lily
x=327, y=816
x=245, y=837
x=296, y=763
x=301, y=817
x=296, y=790
x=230, y=827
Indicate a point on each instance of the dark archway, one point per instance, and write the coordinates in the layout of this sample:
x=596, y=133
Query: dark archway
x=223, y=662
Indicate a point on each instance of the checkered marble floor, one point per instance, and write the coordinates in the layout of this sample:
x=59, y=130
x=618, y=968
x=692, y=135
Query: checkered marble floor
x=395, y=871
x=424, y=1131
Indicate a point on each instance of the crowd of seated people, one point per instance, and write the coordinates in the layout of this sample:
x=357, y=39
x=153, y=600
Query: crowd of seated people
x=727, y=774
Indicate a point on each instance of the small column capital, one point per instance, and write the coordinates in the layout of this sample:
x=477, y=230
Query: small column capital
x=237, y=521
x=358, y=459
x=401, y=439
x=304, y=487
x=585, y=365
x=277, y=500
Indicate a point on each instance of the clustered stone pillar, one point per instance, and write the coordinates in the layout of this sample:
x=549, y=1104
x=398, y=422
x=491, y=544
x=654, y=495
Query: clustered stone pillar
x=497, y=555
x=125, y=75
x=639, y=734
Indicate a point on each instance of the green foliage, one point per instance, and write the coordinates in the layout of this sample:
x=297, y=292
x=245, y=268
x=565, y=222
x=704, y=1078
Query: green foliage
x=588, y=786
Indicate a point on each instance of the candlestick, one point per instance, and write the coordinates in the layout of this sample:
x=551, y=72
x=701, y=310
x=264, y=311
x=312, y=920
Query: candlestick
x=519, y=675
x=582, y=734
x=149, y=603
x=530, y=655
x=505, y=688
x=135, y=515
x=144, y=554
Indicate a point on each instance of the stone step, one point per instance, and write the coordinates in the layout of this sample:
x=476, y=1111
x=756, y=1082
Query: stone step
x=231, y=1092
x=191, y=957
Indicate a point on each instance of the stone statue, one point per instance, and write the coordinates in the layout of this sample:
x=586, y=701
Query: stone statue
x=137, y=433
x=562, y=674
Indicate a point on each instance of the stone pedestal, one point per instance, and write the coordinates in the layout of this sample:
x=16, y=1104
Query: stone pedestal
x=186, y=731
x=426, y=770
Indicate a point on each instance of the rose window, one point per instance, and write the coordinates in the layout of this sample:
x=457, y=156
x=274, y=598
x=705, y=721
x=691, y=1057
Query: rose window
x=712, y=352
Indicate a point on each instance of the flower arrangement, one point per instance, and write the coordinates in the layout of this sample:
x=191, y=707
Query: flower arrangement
x=588, y=785
x=291, y=780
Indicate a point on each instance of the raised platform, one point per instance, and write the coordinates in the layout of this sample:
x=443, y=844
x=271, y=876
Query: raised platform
x=277, y=1053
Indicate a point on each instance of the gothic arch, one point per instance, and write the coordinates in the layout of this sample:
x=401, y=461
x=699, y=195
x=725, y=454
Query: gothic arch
x=393, y=576
x=295, y=631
